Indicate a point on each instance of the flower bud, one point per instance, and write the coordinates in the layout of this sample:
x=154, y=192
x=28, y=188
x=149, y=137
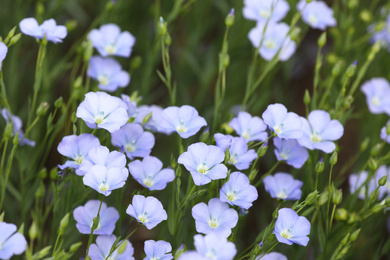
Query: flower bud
x=322, y=40
x=333, y=159
x=372, y=164
x=366, y=16
x=122, y=247
x=306, y=97
x=271, y=237
x=344, y=241
x=205, y=135
x=323, y=198
x=14, y=39
x=227, y=155
x=40, y=192
x=376, y=47
x=351, y=70
x=227, y=128
x=387, y=202
x=337, y=197
x=21, y=229
x=182, y=248
x=95, y=223
x=58, y=102
x=162, y=27
x=253, y=174
x=337, y=69
x=382, y=181
x=257, y=250
x=64, y=221
x=168, y=40
x=71, y=25
x=53, y=174
x=352, y=218
x=229, y=21
x=376, y=149
x=352, y=4
x=147, y=118
x=73, y=117
x=15, y=141
x=364, y=144
x=73, y=248
x=354, y=235
x=262, y=150
x=341, y=214
x=178, y=172
x=33, y=231
x=42, y=173
x=320, y=166
x=43, y=252
x=311, y=198
x=135, y=63
x=2, y=216
x=378, y=208
x=42, y=109
x=7, y=131
x=173, y=162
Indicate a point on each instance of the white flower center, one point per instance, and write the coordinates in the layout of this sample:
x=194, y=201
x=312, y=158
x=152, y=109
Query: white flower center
x=282, y=194
x=270, y=44
x=103, y=80
x=130, y=147
x=148, y=181
x=286, y=233
x=99, y=118
x=312, y=19
x=181, y=128
x=284, y=156
x=211, y=255
x=376, y=101
x=246, y=135
x=264, y=13
x=79, y=159
x=278, y=129
x=213, y=223
x=103, y=186
x=202, y=168
x=233, y=158
x=110, y=49
x=315, y=138
x=143, y=217
x=232, y=195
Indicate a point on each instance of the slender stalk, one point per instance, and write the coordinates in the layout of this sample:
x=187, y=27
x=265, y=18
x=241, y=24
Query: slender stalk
x=268, y=173
x=94, y=226
x=117, y=246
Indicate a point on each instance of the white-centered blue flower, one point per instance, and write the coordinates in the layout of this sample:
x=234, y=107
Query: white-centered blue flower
x=291, y=152
x=11, y=242
x=283, y=186
x=223, y=141
x=213, y=246
x=109, y=41
x=108, y=72
x=240, y=156
x=317, y=14
x=54, y=33
x=262, y=10
x=377, y=91
x=251, y=128
x=157, y=250
x=101, y=250
x=3, y=52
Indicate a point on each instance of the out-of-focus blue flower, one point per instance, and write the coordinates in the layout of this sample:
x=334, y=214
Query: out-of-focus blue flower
x=76, y=148
x=262, y=10
x=384, y=135
x=16, y=127
x=108, y=72
x=286, y=125
x=238, y=191
x=377, y=91
x=240, y=156
x=131, y=106
x=157, y=250
x=101, y=250
x=101, y=110
x=216, y=217
x=12, y=242
x=213, y=246
x=184, y=120
x=275, y=38
x=148, y=211
x=192, y=255
x=84, y=216
x=105, y=180
x=317, y=14
x=134, y=140
x=319, y=131
x=149, y=173
x=3, y=52
x=109, y=40
x=291, y=152
x=383, y=35
x=54, y=33
x=291, y=228
x=251, y=128
x=272, y=256
x=223, y=141
x=204, y=162
x=359, y=180
x=283, y=186
x=382, y=171
x=100, y=155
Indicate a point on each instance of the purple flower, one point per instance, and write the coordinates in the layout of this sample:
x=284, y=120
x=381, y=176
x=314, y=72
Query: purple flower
x=84, y=216
x=251, y=128
x=240, y=156
x=101, y=250
x=275, y=37
x=108, y=72
x=319, y=131
x=204, y=162
x=3, y=52
x=291, y=152
x=286, y=125
x=54, y=33
x=135, y=142
x=377, y=91
x=105, y=180
x=272, y=256
x=238, y=191
x=184, y=120
x=283, y=186
x=290, y=228
x=109, y=40
x=157, y=250
x=100, y=155
x=76, y=148
x=148, y=211
x=101, y=110
x=262, y=10
x=16, y=127
x=149, y=173
x=223, y=141
x=317, y=14
x=213, y=246
x=216, y=217
x=11, y=242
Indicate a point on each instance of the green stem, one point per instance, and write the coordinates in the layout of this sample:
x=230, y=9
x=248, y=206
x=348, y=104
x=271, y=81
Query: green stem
x=94, y=226
x=117, y=246
x=268, y=173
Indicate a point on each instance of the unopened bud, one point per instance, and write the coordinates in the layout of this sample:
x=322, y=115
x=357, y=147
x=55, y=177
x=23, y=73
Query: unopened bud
x=378, y=208
x=353, y=217
x=42, y=109
x=295, y=32
x=178, y=172
x=205, y=135
x=95, y=223
x=10, y=35
x=14, y=39
x=162, y=27
x=54, y=174
x=376, y=149
x=2, y=216
x=43, y=252
x=227, y=128
x=262, y=150
x=388, y=129
x=168, y=40
x=341, y=214
x=322, y=40
x=15, y=141
x=337, y=197
x=352, y=4
x=306, y=97
x=227, y=155
x=71, y=25
x=229, y=21
x=372, y=164
x=42, y=173
x=364, y=144
x=382, y=181
x=351, y=70
x=311, y=198
x=333, y=159
x=33, y=231
x=344, y=241
x=387, y=202
x=73, y=248
x=122, y=247
x=365, y=16
x=337, y=69
x=354, y=235
x=7, y=131
x=253, y=174
x=320, y=166
x=64, y=221
x=58, y=102
x=147, y=118
x=323, y=198
x=73, y=117
x=40, y=192
x=135, y=62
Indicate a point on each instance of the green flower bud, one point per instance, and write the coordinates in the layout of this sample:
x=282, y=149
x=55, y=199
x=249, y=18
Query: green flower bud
x=2, y=216
x=42, y=173
x=21, y=229
x=162, y=27
x=323, y=198
x=7, y=131
x=337, y=69
x=73, y=118
x=14, y=39
x=71, y=25
x=365, y=16
x=341, y=214
x=64, y=222
x=226, y=60
x=227, y=155
x=87, y=51
x=42, y=109
x=376, y=47
x=337, y=197
x=40, y=192
x=354, y=235
x=205, y=135
x=387, y=202
x=58, y=102
x=376, y=149
x=378, y=208
x=320, y=166
x=135, y=63
x=382, y=181
x=53, y=174
x=257, y=250
x=348, y=101
x=229, y=21
x=353, y=217
x=295, y=32
x=147, y=118
x=173, y=162
x=15, y=141
x=333, y=159
x=364, y=144
x=227, y=128
x=388, y=129
x=253, y=174
x=351, y=70
x=262, y=150
x=312, y=197
x=322, y=40
x=352, y=4
x=10, y=35
x=379, y=26
x=33, y=231
x=43, y=252
x=96, y=221
x=73, y=248
x=180, y=251
x=344, y=241
x=306, y=97
x=178, y=172
x=122, y=247
x=372, y=164
x=271, y=237
x=332, y=58
x=168, y=39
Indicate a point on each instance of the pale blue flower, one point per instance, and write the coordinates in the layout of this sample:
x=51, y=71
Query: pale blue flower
x=100, y=155
x=156, y=117
x=216, y=217
x=16, y=127
x=283, y=186
x=262, y=10
x=11, y=242
x=148, y=211
x=377, y=91
x=240, y=156
x=133, y=140
x=204, y=162
x=101, y=110
x=286, y=125
x=319, y=131
x=291, y=152
x=84, y=215
x=359, y=182
x=317, y=14
x=272, y=256
x=184, y=120
x=131, y=106
x=213, y=246
x=251, y=128
x=275, y=37
x=149, y=173
x=223, y=141
x=108, y=72
x=105, y=180
x=384, y=135
x=3, y=52
x=101, y=250
x=76, y=148
x=382, y=171
x=238, y=191
x=291, y=228
x=109, y=40
x=157, y=250
x=54, y=33
x=191, y=255
x=383, y=35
